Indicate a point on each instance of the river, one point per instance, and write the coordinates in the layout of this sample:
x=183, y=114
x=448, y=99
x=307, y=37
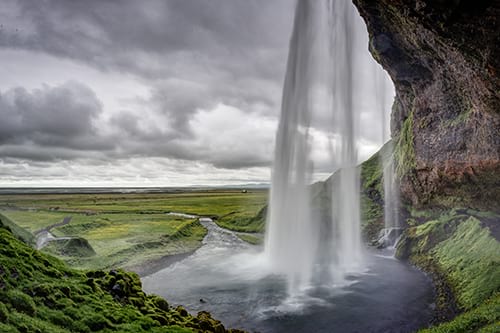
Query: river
x=228, y=278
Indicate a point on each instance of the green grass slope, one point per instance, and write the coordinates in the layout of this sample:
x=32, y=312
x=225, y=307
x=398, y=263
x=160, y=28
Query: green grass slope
x=372, y=195
x=39, y=293
x=118, y=239
x=131, y=230
x=247, y=221
x=458, y=248
x=21, y=233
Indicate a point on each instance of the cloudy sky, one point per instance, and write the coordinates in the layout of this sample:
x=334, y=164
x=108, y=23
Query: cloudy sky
x=145, y=93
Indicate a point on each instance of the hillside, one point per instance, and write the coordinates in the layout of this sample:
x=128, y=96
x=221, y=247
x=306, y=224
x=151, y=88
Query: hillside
x=39, y=293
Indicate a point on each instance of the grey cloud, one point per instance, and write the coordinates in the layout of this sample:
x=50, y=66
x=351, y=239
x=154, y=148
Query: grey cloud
x=178, y=100
x=193, y=53
x=52, y=123
x=112, y=34
x=54, y=116
x=39, y=153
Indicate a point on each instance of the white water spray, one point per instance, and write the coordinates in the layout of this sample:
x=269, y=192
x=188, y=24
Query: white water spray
x=327, y=70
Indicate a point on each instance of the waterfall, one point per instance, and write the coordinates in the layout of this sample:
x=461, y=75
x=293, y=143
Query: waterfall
x=392, y=229
x=329, y=68
x=345, y=197
x=389, y=236
x=290, y=240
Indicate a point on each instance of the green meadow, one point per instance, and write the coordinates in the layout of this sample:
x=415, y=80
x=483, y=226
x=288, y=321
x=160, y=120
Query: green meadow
x=132, y=230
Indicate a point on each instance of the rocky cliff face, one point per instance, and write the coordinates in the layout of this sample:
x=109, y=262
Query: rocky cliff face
x=444, y=61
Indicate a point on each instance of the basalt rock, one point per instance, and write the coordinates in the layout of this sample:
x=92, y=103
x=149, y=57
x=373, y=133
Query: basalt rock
x=444, y=61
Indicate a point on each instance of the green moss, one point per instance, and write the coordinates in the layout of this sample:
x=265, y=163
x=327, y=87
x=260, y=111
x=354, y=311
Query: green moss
x=40, y=294
x=372, y=218
x=484, y=318
x=461, y=117
x=372, y=173
x=19, y=301
x=4, y=312
x=464, y=259
x=422, y=238
x=372, y=192
x=404, y=152
x=4, y=328
x=422, y=213
x=27, y=323
x=471, y=260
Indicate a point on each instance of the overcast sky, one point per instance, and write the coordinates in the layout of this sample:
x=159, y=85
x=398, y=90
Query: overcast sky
x=145, y=93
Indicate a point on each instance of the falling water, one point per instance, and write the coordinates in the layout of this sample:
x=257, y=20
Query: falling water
x=325, y=70
x=290, y=242
x=345, y=197
x=392, y=229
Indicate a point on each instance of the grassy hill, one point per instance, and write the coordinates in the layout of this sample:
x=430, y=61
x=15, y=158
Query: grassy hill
x=39, y=293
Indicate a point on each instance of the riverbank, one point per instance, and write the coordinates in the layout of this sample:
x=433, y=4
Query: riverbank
x=460, y=250
x=39, y=293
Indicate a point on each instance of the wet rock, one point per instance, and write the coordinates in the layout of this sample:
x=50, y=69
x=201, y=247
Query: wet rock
x=444, y=60
x=388, y=237
x=182, y=312
x=159, y=302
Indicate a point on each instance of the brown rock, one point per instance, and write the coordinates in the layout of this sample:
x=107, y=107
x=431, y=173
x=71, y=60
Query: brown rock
x=443, y=58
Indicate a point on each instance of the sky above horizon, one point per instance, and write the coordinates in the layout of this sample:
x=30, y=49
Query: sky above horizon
x=155, y=93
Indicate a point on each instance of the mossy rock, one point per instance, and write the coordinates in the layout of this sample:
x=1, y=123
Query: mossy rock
x=40, y=294
x=462, y=255
x=19, y=301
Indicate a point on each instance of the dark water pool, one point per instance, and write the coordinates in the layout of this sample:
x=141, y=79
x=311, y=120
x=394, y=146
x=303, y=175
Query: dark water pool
x=389, y=297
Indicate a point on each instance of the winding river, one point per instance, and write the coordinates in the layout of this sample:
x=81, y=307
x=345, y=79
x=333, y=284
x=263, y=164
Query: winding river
x=226, y=277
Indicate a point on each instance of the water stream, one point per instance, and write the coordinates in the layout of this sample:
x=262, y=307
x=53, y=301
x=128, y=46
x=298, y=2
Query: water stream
x=229, y=278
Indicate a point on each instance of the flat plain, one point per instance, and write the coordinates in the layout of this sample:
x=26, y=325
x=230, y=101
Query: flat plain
x=132, y=230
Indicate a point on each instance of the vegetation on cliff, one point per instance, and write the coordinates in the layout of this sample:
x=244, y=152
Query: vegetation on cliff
x=39, y=293
x=460, y=250
x=443, y=58
x=372, y=194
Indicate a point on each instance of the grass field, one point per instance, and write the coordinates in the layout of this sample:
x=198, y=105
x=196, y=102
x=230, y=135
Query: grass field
x=127, y=230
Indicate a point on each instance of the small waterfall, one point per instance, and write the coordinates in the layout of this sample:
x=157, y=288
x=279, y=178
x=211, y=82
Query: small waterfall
x=329, y=68
x=391, y=233
x=391, y=193
x=392, y=230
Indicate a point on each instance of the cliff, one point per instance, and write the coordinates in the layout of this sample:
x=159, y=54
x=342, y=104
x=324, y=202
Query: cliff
x=443, y=59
